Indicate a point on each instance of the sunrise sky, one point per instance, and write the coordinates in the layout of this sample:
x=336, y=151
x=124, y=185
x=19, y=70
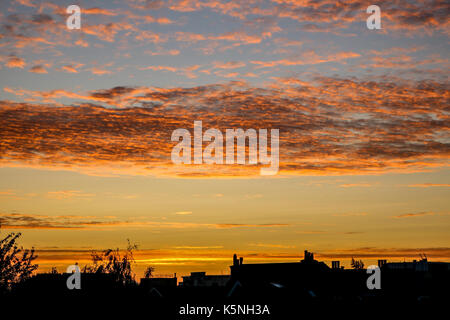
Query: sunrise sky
x=86, y=118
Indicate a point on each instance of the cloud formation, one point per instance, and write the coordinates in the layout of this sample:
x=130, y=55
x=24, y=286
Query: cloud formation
x=69, y=222
x=327, y=125
x=377, y=252
x=15, y=62
x=413, y=215
x=429, y=185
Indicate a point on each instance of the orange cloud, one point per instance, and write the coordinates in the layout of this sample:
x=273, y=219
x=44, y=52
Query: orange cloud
x=229, y=65
x=158, y=68
x=128, y=129
x=35, y=221
x=373, y=252
x=164, y=53
x=350, y=185
x=413, y=215
x=309, y=57
x=27, y=3
x=99, y=11
x=38, y=69
x=69, y=69
x=183, y=212
x=100, y=72
x=7, y=192
x=15, y=62
x=67, y=194
x=428, y=185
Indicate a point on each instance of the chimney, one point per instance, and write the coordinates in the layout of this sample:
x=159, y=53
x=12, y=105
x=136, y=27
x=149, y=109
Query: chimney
x=381, y=263
x=335, y=264
x=235, y=260
x=240, y=261
x=309, y=256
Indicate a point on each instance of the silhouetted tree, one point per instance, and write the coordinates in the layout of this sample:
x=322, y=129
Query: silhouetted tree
x=357, y=264
x=115, y=263
x=16, y=264
x=149, y=272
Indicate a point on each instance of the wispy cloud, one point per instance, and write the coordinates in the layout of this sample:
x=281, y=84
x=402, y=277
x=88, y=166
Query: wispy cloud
x=7, y=192
x=183, y=213
x=309, y=57
x=68, y=194
x=36, y=221
x=69, y=69
x=377, y=252
x=413, y=215
x=351, y=185
x=38, y=69
x=429, y=185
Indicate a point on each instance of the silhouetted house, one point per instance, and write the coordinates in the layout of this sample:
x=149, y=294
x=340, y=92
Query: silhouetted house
x=422, y=265
x=416, y=279
x=307, y=278
x=148, y=283
x=159, y=287
x=200, y=279
x=279, y=272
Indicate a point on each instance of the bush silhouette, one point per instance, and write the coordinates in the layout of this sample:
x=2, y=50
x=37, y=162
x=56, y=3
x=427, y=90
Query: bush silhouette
x=115, y=263
x=16, y=264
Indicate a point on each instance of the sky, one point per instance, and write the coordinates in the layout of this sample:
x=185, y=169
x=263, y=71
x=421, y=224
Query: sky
x=86, y=118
